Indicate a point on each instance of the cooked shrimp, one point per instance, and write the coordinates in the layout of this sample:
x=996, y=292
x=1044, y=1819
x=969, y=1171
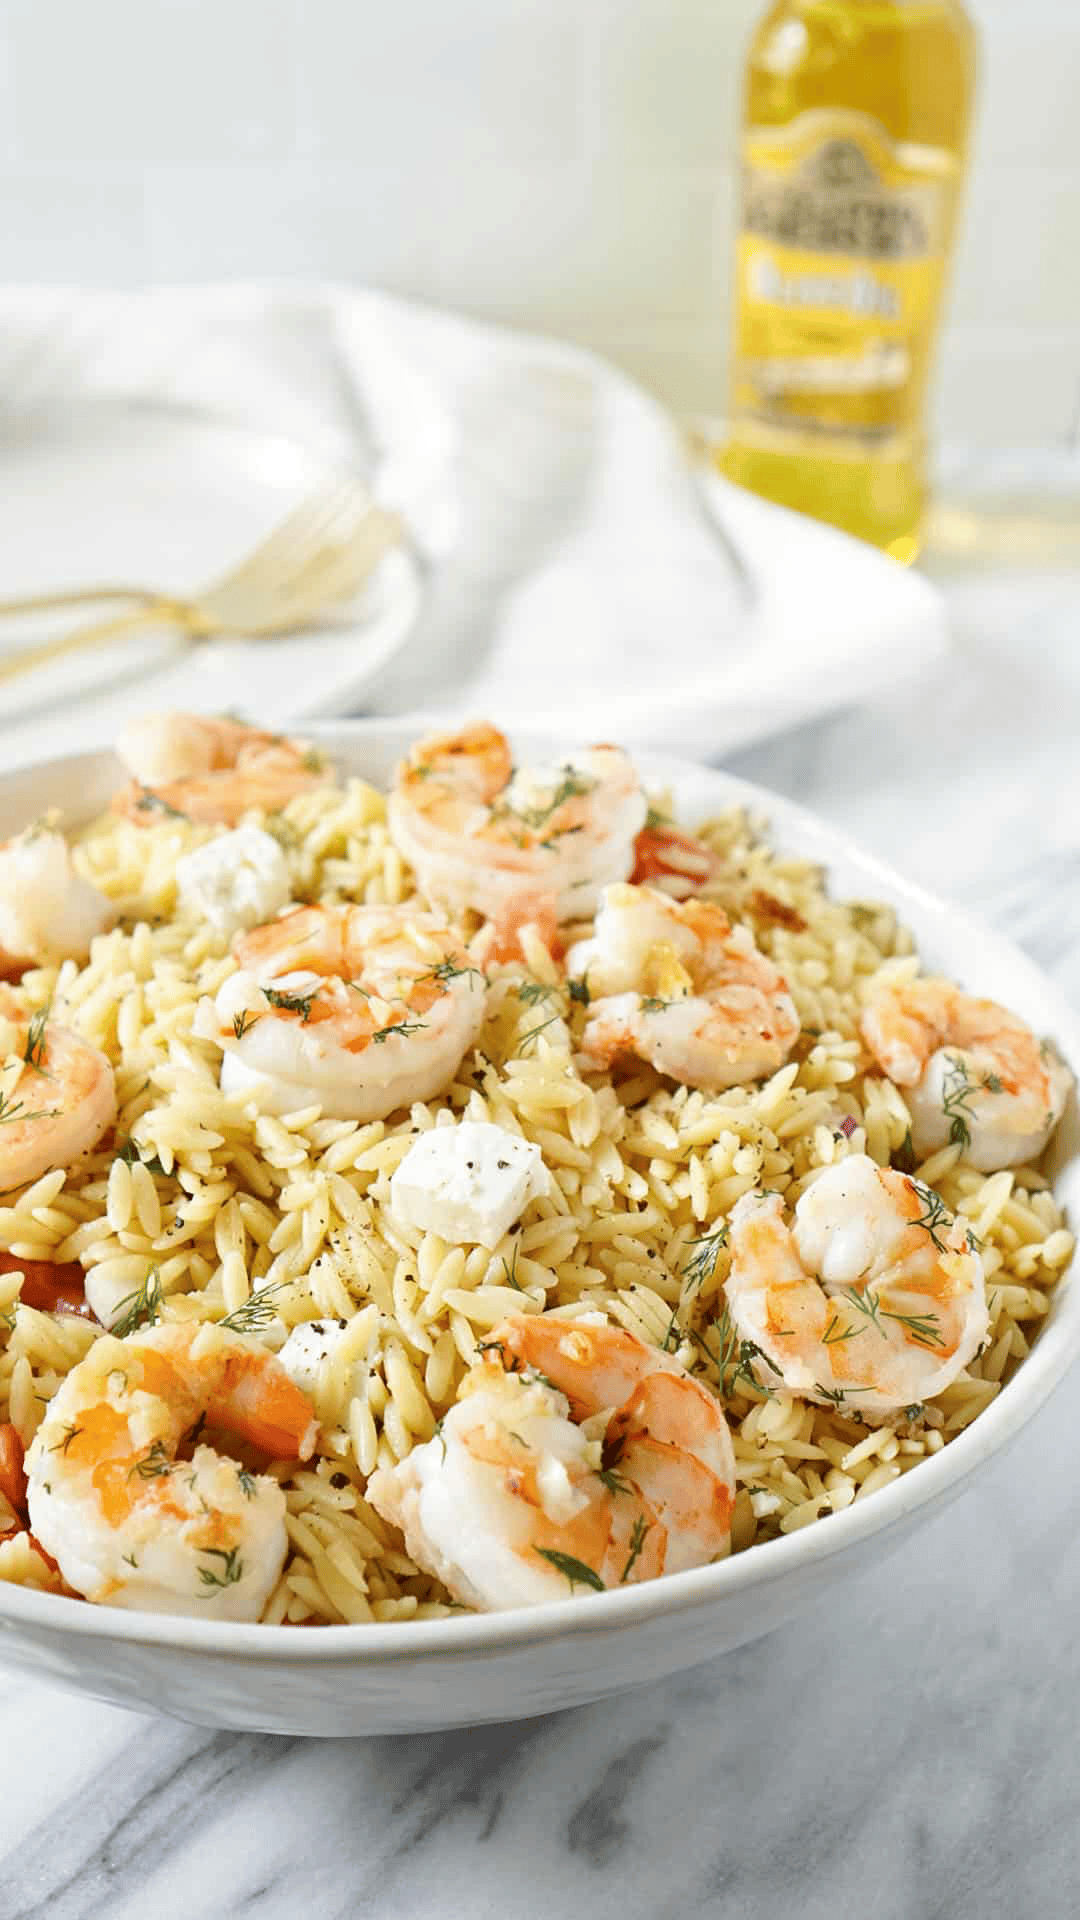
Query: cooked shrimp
x=674, y=982
x=48, y=911
x=57, y=1094
x=972, y=1073
x=481, y=835
x=873, y=1299
x=677, y=861
x=209, y=769
x=363, y=1009
x=516, y=1498
x=132, y=1523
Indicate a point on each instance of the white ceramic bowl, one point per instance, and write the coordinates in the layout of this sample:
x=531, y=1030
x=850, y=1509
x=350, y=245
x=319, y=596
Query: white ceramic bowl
x=390, y=1679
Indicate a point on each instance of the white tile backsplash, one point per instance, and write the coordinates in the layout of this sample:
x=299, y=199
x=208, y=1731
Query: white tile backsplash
x=564, y=164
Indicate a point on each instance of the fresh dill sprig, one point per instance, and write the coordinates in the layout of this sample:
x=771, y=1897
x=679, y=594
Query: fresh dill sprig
x=836, y=1332
x=140, y=1308
x=228, y=1574
x=702, y=1265
x=245, y=1019
x=956, y=1093
x=131, y=1156
x=151, y=802
x=533, y=1032
x=247, y=1483
x=252, y=1315
x=613, y=1481
x=510, y=1269
x=936, y=1214
x=904, y=1157
x=578, y=1574
x=920, y=1326
x=532, y=991
x=154, y=1465
x=300, y=1003
x=71, y=1432
x=448, y=970
x=652, y=1003
x=579, y=990
x=637, y=1541
x=400, y=1027
x=570, y=786
x=34, y=1051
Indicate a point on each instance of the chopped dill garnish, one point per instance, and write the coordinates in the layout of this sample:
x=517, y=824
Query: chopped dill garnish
x=578, y=1574
x=579, y=990
x=534, y=1031
x=154, y=1465
x=300, y=1003
x=915, y=1410
x=129, y=1559
x=253, y=1314
x=401, y=1027
x=654, y=818
x=921, y=1327
x=652, y=1003
x=437, y=1434
x=132, y=1156
x=613, y=1481
x=140, y=1308
x=70, y=1433
x=835, y=1333
x=992, y=1083
x=571, y=784
x=230, y=1572
x=865, y=1301
x=702, y=1265
x=510, y=1269
x=151, y=802
x=312, y=761
x=532, y=991
x=247, y=1483
x=245, y=1019
x=11, y=1110
x=837, y=1396
x=936, y=1215
x=904, y=1157
x=34, y=1051
x=956, y=1092
x=736, y=1358
x=448, y=970
x=637, y=1541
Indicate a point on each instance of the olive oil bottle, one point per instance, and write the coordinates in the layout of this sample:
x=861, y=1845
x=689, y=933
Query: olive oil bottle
x=853, y=150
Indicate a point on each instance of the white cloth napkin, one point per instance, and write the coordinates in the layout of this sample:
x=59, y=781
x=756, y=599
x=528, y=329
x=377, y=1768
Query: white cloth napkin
x=579, y=574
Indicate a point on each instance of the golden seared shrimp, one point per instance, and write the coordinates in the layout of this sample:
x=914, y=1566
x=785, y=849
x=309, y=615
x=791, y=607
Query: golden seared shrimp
x=973, y=1075
x=576, y=1457
x=363, y=1009
x=129, y=1519
x=872, y=1299
x=675, y=983
x=481, y=835
x=57, y=1094
x=48, y=911
x=209, y=769
x=676, y=861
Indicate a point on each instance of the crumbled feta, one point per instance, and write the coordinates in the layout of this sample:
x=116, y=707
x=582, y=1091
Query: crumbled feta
x=307, y=1347
x=468, y=1182
x=241, y=879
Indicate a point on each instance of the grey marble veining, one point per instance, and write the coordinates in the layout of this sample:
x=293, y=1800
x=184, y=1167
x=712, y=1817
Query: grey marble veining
x=910, y=1753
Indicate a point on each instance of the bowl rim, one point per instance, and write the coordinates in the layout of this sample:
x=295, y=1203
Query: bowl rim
x=928, y=1485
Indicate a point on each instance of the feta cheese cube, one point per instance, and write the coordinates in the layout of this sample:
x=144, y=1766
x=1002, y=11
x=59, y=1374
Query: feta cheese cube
x=241, y=879
x=468, y=1182
x=306, y=1347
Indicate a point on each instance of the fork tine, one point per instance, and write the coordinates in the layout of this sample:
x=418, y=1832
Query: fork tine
x=276, y=556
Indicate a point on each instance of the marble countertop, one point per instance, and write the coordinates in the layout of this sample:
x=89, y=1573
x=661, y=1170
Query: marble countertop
x=911, y=1755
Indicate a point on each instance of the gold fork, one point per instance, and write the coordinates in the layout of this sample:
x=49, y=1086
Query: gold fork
x=318, y=557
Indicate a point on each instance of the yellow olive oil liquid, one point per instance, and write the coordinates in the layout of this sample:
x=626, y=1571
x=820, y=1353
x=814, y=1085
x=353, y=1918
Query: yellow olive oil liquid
x=853, y=150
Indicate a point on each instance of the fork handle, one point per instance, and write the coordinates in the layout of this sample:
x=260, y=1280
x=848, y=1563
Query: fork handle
x=73, y=597
x=158, y=612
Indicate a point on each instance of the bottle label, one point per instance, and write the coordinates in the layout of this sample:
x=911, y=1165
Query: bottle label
x=839, y=268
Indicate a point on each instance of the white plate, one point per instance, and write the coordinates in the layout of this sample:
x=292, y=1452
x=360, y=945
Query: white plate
x=170, y=499
x=405, y=1678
